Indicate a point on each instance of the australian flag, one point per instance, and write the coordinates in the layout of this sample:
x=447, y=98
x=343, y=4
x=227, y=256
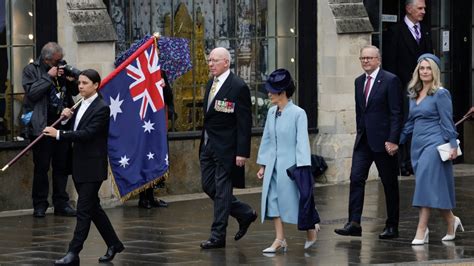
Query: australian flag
x=138, y=149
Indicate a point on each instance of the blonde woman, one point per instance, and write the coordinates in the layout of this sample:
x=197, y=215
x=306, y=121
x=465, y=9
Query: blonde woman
x=431, y=124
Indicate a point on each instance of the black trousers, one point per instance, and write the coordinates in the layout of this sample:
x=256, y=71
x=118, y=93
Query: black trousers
x=49, y=151
x=89, y=209
x=217, y=184
x=387, y=166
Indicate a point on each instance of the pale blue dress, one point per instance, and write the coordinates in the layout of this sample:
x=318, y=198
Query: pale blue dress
x=285, y=142
x=431, y=124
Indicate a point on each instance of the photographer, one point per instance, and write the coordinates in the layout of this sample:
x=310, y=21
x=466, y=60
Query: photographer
x=48, y=90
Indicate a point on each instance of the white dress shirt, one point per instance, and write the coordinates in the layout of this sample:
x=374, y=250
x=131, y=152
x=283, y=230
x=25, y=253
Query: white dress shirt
x=82, y=109
x=410, y=26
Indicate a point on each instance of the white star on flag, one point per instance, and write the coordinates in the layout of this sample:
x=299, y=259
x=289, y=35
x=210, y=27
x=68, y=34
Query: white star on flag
x=148, y=126
x=115, y=106
x=150, y=156
x=124, y=161
x=166, y=159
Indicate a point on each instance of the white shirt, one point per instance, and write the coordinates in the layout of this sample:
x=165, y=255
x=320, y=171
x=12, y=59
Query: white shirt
x=410, y=26
x=82, y=109
x=222, y=77
x=372, y=81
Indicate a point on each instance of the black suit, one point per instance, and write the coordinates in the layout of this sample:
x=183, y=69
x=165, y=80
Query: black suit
x=228, y=137
x=377, y=122
x=401, y=51
x=89, y=170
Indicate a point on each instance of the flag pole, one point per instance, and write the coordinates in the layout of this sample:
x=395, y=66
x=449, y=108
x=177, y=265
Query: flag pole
x=466, y=116
x=27, y=148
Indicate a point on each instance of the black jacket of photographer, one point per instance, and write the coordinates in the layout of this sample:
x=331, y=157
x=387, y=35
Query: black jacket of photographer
x=40, y=88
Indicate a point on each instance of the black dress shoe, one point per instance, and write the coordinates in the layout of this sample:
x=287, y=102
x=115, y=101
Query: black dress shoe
x=111, y=251
x=212, y=243
x=39, y=213
x=66, y=211
x=350, y=229
x=70, y=259
x=145, y=204
x=159, y=203
x=389, y=232
x=244, y=226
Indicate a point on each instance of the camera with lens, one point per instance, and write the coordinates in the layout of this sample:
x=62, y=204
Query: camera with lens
x=69, y=70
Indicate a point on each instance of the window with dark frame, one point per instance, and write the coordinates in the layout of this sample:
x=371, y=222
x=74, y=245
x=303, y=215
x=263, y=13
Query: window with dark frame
x=259, y=43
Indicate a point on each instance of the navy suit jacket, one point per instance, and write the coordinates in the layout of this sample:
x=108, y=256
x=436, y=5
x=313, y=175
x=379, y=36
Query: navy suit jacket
x=89, y=153
x=381, y=119
x=401, y=52
x=229, y=132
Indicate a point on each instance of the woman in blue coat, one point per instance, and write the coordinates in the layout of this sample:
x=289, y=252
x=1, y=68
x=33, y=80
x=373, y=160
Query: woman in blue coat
x=285, y=142
x=430, y=121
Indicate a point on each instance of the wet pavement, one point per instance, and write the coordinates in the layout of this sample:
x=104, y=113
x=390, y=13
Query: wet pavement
x=172, y=235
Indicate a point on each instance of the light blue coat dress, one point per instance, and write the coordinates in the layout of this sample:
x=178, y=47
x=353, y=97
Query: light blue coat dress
x=285, y=142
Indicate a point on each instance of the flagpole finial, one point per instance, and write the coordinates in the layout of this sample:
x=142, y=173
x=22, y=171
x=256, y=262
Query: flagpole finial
x=156, y=34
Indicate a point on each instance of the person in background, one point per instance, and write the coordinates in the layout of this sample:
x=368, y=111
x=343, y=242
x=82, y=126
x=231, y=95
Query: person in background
x=88, y=129
x=147, y=198
x=47, y=92
x=285, y=142
x=378, y=104
x=403, y=44
x=430, y=122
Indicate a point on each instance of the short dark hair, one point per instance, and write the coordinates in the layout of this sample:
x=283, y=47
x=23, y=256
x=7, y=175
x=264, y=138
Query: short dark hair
x=92, y=74
x=290, y=89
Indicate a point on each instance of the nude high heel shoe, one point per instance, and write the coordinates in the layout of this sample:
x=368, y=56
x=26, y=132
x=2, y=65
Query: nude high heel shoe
x=457, y=223
x=282, y=245
x=425, y=240
x=310, y=243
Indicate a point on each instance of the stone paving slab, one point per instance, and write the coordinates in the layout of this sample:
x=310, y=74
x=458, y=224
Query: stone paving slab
x=171, y=236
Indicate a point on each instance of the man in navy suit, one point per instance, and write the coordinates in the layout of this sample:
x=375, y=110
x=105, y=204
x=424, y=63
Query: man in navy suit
x=225, y=147
x=403, y=44
x=378, y=99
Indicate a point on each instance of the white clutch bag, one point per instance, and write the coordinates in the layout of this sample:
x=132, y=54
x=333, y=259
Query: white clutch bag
x=444, y=150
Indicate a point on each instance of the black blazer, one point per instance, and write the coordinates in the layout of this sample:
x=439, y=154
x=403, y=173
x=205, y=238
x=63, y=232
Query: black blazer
x=229, y=132
x=401, y=52
x=89, y=153
x=382, y=118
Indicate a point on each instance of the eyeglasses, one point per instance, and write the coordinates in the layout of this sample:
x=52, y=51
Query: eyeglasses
x=368, y=58
x=214, y=60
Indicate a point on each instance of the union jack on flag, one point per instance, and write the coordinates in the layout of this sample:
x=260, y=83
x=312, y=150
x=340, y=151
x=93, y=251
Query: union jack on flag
x=138, y=147
x=148, y=84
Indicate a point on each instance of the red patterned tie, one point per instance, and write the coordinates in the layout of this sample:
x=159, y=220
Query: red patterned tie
x=366, y=89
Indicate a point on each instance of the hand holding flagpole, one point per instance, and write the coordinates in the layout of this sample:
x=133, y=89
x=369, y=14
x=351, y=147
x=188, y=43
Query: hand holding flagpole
x=27, y=148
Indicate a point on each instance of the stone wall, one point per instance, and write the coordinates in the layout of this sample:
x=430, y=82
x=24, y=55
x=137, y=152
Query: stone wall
x=338, y=66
